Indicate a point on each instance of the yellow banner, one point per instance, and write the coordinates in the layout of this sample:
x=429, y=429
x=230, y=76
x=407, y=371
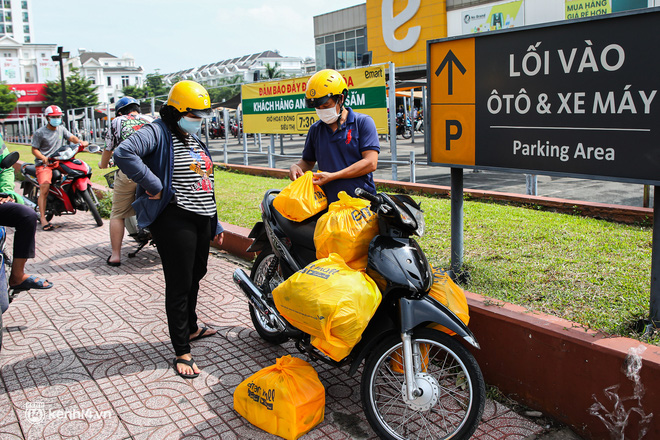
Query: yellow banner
x=279, y=106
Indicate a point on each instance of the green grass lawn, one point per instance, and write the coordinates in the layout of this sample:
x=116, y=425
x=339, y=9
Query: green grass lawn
x=593, y=272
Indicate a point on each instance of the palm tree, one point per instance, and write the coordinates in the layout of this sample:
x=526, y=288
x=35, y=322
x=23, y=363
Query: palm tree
x=274, y=71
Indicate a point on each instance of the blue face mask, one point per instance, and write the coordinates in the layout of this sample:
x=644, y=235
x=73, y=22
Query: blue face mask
x=55, y=121
x=190, y=125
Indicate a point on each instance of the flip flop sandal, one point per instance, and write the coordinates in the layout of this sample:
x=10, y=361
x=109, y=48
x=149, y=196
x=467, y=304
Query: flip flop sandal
x=48, y=227
x=32, y=283
x=202, y=334
x=185, y=362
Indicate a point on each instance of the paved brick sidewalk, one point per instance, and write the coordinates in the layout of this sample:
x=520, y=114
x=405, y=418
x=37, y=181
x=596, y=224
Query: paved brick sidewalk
x=91, y=357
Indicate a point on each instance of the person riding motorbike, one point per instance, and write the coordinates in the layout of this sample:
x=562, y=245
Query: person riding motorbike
x=45, y=141
x=175, y=199
x=343, y=142
x=127, y=122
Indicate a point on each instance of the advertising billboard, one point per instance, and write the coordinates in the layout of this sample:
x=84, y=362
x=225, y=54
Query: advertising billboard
x=279, y=106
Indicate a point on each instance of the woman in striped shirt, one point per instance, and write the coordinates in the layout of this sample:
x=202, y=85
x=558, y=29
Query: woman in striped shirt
x=175, y=199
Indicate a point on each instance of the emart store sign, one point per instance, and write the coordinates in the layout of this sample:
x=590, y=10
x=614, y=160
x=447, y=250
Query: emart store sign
x=397, y=30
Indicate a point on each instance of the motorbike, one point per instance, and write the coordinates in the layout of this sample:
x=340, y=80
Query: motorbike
x=438, y=390
x=70, y=188
x=5, y=261
x=141, y=236
x=217, y=131
x=405, y=130
x=419, y=124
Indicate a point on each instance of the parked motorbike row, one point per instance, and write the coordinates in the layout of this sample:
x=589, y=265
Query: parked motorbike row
x=417, y=382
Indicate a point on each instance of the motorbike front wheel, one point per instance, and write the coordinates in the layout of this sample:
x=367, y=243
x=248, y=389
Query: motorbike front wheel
x=89, y=200
x=259, y=276
x=407, y=133
x=453, y=390
x=31, y=192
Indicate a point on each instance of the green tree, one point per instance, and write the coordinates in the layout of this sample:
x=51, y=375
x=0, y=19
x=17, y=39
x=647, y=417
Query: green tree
x=153, y=86
x=274, y=71
x=226, y=90
x=80, y=92
x=8, y=100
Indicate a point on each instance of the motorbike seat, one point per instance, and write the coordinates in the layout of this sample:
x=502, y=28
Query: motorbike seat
x=30, y=170
x=300, y=233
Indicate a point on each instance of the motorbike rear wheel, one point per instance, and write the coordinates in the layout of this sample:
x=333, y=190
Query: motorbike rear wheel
x=453, y=388
x=407, y=132
x=259, y=276
x=31, y=192
x=89, y=200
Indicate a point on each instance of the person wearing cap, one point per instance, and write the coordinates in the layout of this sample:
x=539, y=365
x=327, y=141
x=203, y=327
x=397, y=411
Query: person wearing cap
x=127, y=121
x=175, y=200
x=45, y=142
x=344, y=143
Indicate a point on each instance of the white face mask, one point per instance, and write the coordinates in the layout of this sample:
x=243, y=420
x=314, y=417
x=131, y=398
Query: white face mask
x=328, y=115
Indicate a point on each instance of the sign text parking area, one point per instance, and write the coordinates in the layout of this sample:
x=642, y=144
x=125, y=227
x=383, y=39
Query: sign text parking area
x=575, y=99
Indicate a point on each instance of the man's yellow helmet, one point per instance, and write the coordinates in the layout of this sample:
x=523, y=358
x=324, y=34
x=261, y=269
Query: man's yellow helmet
x=189, y=96
x=323, y=85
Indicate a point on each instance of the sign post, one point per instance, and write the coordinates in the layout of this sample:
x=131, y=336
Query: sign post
x=576, y=99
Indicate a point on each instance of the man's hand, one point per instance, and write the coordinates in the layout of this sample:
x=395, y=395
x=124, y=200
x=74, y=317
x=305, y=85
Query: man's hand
x=4, y=200
x=84, y=144
x=218, y=239
x=295, y=171
x=321, y=178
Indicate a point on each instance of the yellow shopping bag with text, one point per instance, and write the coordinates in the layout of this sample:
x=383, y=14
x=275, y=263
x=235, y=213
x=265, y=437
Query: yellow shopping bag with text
x=301, y=199
x=346, y=229
x=329, y=301
x=286, y=399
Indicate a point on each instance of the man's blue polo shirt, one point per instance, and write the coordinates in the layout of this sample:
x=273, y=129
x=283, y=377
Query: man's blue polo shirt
x=334, y=151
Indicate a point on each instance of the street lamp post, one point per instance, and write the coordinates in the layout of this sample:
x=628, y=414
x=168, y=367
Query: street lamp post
x=61, y=56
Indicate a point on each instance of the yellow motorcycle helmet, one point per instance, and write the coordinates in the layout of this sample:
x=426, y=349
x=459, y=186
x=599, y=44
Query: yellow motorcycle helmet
x=323, y=85
x=189, y=96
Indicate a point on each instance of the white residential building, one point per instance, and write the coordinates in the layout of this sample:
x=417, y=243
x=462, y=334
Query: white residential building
x=248, y=67
x=110, y=74
x=16, y=19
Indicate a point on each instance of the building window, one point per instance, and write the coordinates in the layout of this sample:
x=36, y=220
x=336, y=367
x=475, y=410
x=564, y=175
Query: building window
x=2, y=28
x=8, y=16
x=25, y=17
x=24, y=5
x=26, y=29
x=6, y=55
x=341, y=50
x=124, y=81
x=109, y=81
x=7, y=4
x=9, y=29
x=92, y=80
x=26, y=38
x=28, y=77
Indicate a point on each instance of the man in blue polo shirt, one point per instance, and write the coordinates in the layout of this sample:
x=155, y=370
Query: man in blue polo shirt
x=344, y=143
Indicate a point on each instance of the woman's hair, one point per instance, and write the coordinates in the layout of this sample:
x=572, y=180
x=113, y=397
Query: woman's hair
x=171, y=117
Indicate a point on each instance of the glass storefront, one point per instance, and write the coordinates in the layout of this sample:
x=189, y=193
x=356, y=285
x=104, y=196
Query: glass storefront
x=342, y=50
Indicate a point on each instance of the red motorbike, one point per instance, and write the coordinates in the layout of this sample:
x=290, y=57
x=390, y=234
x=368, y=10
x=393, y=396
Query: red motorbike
x=71, y=187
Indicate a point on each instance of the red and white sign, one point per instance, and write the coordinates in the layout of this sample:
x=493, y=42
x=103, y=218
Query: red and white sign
x=29, y=93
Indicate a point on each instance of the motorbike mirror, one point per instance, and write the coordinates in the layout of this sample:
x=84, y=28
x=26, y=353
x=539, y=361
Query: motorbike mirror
x=9, y=160
x=93, y=148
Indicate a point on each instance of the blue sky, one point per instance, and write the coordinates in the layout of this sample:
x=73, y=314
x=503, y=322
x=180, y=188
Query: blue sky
x=173, y=35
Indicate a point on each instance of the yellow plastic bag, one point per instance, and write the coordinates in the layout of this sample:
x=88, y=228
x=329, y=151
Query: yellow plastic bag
x=301, y=199
x=346, y=229
x=331, y=302
x=445, y=291
x=285, y=399
x=451, y=295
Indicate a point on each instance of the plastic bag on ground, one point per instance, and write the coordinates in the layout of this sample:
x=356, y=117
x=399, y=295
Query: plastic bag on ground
x=331, y=302
x=301, y=199
x=346, y=229
x=286, y=399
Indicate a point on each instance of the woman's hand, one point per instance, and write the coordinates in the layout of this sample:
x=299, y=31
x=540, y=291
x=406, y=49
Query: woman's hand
x=156, y=197
x=218, y=239
x=4, y=200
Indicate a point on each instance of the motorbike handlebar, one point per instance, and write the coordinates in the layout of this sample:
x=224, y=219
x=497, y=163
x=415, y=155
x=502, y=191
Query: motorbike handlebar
x=366, y=195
